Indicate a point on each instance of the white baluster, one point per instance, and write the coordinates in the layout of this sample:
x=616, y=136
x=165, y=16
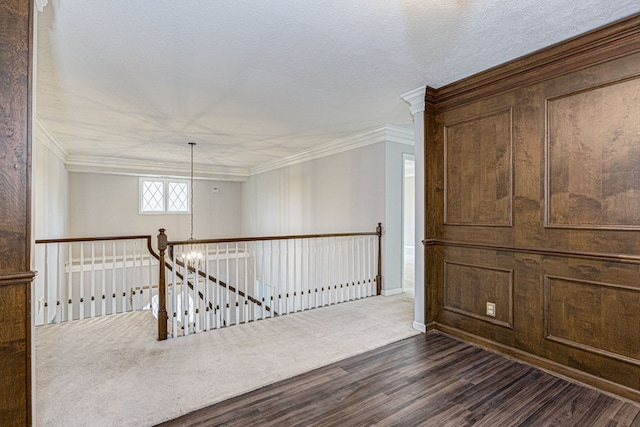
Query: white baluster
x=174, y=294
x=135, y=286
x=271, y=280
x=104, y=280
x=184, y=297
x=254, y=251
x=322, y=284
x=237, y=286
x=196, y=293
x=93, y=280
x=245, y=302
x=207, y=290
x=333, y=269
x=58, y=284
x=70, y=284
x=219, y=299
x=265, y=297
x=45, y=285
x=287, y=290
x=303, y=275
x=295, y=275
x=81, y=301
x=309, y=272
x=278, y=282
x=228, y=293
x=124, y=277
x=114, y=290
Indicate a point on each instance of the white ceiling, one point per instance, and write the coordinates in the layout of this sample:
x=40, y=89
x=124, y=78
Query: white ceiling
x=253, y=81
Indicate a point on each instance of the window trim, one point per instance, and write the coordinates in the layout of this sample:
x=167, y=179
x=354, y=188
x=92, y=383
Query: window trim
x=165, y=183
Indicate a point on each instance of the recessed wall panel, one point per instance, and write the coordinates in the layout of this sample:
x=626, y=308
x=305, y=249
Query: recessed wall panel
x=478, y=171
x=593, y=152
x=468, y=288
x=598, y=317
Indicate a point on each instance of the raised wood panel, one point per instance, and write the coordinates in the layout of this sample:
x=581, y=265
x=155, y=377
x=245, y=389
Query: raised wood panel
x=601, y=318
x=478, y=171
x=468, y=287
x=593, y=153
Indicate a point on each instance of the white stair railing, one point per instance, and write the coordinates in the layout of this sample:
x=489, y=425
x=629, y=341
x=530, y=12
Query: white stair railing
x=88, y=277
x=223, y=282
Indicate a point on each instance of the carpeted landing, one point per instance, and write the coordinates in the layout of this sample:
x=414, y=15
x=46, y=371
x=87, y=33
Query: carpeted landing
x=111, y=371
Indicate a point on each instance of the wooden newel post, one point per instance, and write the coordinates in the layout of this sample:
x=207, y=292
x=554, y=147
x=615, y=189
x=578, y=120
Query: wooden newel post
x=379, y=275
x=162, y=288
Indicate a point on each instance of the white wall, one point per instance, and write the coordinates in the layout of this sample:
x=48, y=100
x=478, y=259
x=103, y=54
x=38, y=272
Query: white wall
x=50, y=185
x=394, y=159
x=339, y=193
x=107, y=205
x=347, y=192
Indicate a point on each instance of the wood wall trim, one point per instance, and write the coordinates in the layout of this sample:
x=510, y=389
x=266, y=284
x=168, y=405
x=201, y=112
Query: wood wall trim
x=601, y=256
x=603, y=44
x=540, y=362
x=13, y=278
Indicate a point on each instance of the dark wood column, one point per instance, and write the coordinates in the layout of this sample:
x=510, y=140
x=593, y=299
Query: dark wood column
x=15, y=211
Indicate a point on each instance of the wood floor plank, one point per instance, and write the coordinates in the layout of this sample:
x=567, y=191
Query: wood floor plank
x=430, y=380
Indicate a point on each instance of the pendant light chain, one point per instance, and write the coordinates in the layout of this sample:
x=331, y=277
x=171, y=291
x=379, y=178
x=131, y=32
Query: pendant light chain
x=191, y=198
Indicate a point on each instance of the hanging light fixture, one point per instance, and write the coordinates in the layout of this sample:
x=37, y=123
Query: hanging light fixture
x=192, y=252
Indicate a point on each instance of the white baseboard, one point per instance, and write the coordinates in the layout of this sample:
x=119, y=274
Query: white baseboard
x=420, y=327
x=390, y=292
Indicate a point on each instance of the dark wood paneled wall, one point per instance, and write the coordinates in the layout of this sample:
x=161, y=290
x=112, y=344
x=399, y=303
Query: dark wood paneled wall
x=15, y=198
x=533, y=204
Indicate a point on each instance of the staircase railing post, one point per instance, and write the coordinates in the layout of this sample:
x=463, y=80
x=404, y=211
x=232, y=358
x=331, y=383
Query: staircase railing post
x=379, y=275
x=162, y=288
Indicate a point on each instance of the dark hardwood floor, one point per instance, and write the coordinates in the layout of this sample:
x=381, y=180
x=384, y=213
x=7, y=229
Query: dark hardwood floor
x=429, y=380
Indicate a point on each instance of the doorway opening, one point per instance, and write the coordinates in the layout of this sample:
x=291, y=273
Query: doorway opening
x=408, y=223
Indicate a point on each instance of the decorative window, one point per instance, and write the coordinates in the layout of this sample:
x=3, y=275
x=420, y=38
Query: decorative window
x=159, y=195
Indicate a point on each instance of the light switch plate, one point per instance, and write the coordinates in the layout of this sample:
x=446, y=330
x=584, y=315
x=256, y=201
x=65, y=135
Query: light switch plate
x=491, y=309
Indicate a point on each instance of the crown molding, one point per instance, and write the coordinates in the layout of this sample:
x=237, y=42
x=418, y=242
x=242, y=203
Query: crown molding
x=124, y=166
x=400, y=135
x=416, y=100
x=603, y=44
x=49, y=140
x=358, y=140
x=134, y=167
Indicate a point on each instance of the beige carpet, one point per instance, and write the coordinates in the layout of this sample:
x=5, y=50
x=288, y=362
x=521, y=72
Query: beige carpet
x=111, y=371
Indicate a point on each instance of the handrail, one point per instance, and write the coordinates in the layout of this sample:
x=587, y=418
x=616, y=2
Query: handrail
x=266, y=238
x=93, y=239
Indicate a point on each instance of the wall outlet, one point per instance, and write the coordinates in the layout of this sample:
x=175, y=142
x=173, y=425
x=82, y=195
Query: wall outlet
x=491, y=309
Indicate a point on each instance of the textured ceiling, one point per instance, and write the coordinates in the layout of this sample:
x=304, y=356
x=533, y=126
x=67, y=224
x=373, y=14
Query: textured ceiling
x=254, y=81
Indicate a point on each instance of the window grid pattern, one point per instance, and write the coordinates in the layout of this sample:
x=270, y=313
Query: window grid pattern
x=178, y=197
x=153, y=196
